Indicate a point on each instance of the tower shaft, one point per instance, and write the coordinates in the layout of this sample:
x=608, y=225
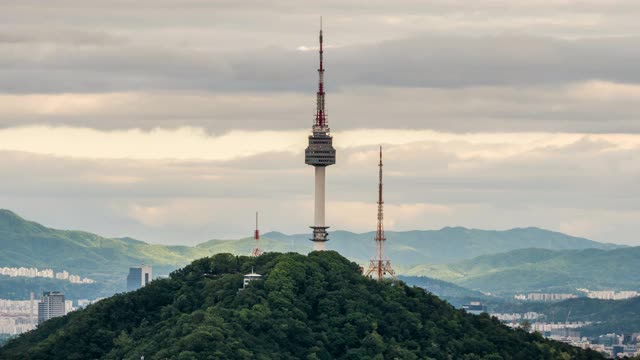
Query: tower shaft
x=319, y=196
x=380, y=266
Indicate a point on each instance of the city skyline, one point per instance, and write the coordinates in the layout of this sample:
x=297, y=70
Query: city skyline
x=175, y=129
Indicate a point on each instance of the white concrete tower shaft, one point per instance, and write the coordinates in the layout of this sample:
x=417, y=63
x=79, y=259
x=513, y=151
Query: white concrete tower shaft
x=320, y=154
x=319, y=211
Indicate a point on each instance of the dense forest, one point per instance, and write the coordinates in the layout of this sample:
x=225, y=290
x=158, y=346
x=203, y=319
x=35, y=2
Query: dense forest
x=307, y=307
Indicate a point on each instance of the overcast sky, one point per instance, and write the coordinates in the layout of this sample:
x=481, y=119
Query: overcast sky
x=173, y=121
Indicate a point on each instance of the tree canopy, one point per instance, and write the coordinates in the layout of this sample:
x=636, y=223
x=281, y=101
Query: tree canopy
x=307, y=307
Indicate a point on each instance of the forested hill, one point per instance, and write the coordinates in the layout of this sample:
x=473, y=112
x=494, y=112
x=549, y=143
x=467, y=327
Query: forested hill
x=307, y=307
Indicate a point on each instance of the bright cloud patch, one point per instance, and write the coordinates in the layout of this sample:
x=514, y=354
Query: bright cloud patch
x=195, y=143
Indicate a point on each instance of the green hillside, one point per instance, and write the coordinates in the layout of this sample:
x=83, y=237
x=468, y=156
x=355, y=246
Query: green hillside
x=306, y=307
x=29, y=244
x=539, y=270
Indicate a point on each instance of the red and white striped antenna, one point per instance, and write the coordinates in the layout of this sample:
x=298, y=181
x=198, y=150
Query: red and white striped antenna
x=256, y=237
x=380, y=266
x=321, y=115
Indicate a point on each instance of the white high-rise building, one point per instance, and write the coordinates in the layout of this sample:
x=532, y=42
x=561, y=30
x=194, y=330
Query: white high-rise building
x=52, y=304
x=138, y=277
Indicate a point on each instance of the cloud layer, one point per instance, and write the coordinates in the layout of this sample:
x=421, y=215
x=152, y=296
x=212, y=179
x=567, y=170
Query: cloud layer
x=432, y=180
x=173, y=122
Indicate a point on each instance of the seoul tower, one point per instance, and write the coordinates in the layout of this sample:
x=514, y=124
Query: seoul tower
x=379, y=267
x=320, y=154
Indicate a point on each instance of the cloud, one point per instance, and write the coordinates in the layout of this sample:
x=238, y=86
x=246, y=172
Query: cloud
x=491, y=181
x=585, y=107
x=173, y=122
x=427, y=60
x=197, y=144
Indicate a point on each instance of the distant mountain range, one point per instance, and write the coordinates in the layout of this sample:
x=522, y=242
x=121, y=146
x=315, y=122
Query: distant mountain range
x=541, y=270
x=29, y=244
x=447, y=245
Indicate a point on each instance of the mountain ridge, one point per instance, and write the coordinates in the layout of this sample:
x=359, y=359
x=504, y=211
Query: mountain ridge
x=542, y=270
x=29, y=244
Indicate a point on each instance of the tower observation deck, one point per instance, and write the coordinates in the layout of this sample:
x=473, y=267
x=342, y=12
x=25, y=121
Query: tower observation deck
x=320, y=154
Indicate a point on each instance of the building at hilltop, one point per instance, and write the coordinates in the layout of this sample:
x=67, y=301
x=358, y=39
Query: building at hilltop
x=249, y=278
x=138, y=277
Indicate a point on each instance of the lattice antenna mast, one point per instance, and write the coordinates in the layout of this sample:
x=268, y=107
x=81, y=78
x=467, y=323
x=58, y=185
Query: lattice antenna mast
x=256, y=237
x=380, y=229
x=380, y=266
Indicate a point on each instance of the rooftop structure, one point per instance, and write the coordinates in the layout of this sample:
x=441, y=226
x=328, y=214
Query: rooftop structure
x=475, y=307
x=380, y=266
x=249, y=278
x=320, y=154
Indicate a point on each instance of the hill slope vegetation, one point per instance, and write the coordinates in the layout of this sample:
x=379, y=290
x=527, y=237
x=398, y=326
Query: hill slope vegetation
x=29, y=244
x=307, y=307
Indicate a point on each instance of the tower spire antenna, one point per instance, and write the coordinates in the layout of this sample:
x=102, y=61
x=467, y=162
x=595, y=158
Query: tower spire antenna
x=320, y=154
x=256, y=237
x=380, y=266
x=321, y=116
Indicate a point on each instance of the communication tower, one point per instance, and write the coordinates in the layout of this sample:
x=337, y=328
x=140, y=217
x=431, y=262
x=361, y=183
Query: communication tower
x=320, y=154
x=380, y=266
x=256, y=236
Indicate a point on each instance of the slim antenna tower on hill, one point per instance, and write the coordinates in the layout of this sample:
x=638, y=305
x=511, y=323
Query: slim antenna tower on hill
x=256, y=236
x=320, y=154
x=379, y=267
